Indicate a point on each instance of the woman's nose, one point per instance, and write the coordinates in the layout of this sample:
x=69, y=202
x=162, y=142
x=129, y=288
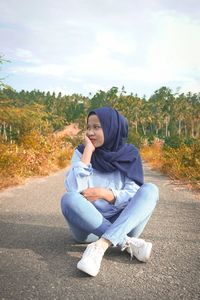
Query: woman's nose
x=90, y=131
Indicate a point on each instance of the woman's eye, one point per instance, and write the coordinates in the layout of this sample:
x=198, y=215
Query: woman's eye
x=95, y=127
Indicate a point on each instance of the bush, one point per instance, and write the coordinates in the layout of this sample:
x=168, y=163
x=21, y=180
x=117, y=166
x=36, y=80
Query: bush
x=153, y=153
x=181, y=162
x=177, y=141
x=36, y=155
x=134, y=138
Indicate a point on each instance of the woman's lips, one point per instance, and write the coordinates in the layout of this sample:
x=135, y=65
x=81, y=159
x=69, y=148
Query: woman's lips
x=92, y=140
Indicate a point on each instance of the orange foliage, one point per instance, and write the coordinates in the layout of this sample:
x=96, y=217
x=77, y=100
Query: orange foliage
x=179, y=163
x=153, y=153
x=35, y=155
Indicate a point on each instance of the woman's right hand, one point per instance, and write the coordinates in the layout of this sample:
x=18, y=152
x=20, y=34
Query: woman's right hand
x=87, y=153
x=88, y=144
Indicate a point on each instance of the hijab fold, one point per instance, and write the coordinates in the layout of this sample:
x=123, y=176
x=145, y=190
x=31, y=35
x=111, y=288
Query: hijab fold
x=115, y=153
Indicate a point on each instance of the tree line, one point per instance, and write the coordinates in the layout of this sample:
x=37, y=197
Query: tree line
x=164, y=115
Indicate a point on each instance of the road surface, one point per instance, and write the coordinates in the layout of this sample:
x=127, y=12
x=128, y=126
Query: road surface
x=38, y=256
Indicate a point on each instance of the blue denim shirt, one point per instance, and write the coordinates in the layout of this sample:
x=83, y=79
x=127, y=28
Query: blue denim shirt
x=81, y=176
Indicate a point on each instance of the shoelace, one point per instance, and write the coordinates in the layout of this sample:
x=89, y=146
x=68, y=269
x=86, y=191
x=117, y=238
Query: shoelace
x=127, y=245
x=137, y=243
x=94, y=252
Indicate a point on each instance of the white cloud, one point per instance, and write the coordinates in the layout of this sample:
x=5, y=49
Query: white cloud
x=91, y=47
x=48, y=69
x=190, y=86
x=74, y=79
x=177, y=49
x=23, y=53
x=113, y=42
x=26, y=56
x=96, y=63
x=93, y=88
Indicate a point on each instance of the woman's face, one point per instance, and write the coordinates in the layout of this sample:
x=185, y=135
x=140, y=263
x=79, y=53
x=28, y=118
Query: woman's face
x=94, y=131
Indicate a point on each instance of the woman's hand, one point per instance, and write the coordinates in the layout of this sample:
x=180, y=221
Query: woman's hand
x=88, y=144
x=93, y=194
x=88, y=150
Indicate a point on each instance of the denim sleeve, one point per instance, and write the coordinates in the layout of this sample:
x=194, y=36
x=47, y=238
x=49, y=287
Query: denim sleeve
x=123, y=195
x=78, y=174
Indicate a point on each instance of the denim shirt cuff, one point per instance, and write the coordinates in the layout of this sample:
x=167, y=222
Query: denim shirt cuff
x=82, y=168
x=115, y=193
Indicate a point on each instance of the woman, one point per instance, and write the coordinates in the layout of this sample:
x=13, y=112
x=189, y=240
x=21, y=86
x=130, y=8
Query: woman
x=106, y=202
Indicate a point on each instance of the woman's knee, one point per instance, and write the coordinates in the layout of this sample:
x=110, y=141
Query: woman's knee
x=152, y=189
x=68, y=201
x=83, y=238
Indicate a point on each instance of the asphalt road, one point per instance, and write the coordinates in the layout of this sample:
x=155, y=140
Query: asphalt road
x=38, y=256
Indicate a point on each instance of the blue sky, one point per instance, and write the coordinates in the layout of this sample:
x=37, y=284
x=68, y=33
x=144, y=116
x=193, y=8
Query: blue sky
x=82, y=46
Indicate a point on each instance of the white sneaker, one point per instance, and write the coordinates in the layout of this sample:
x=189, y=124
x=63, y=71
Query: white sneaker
x=91, y=260
x=138, y=248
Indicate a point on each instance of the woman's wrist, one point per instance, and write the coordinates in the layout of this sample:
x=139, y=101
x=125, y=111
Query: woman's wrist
x=87, y=154
x=108, y=195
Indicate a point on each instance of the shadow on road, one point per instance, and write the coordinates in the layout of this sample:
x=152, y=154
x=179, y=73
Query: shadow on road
x=52, y=247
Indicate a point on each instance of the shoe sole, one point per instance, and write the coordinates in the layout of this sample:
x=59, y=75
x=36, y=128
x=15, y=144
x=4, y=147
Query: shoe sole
x=148, y=252
x=84, y=268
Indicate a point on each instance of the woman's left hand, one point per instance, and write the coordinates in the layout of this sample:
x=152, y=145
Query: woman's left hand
x=93, y=194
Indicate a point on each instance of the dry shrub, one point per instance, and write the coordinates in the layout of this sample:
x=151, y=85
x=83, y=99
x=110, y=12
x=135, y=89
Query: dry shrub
x=61, y=157
x=35, y=155
x=183, y=163
x=153, y=153
x=179, y=163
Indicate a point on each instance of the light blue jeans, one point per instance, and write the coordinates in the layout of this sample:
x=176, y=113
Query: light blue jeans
x=87, y=224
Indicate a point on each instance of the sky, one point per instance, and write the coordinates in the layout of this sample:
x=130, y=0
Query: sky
x=83, y=46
